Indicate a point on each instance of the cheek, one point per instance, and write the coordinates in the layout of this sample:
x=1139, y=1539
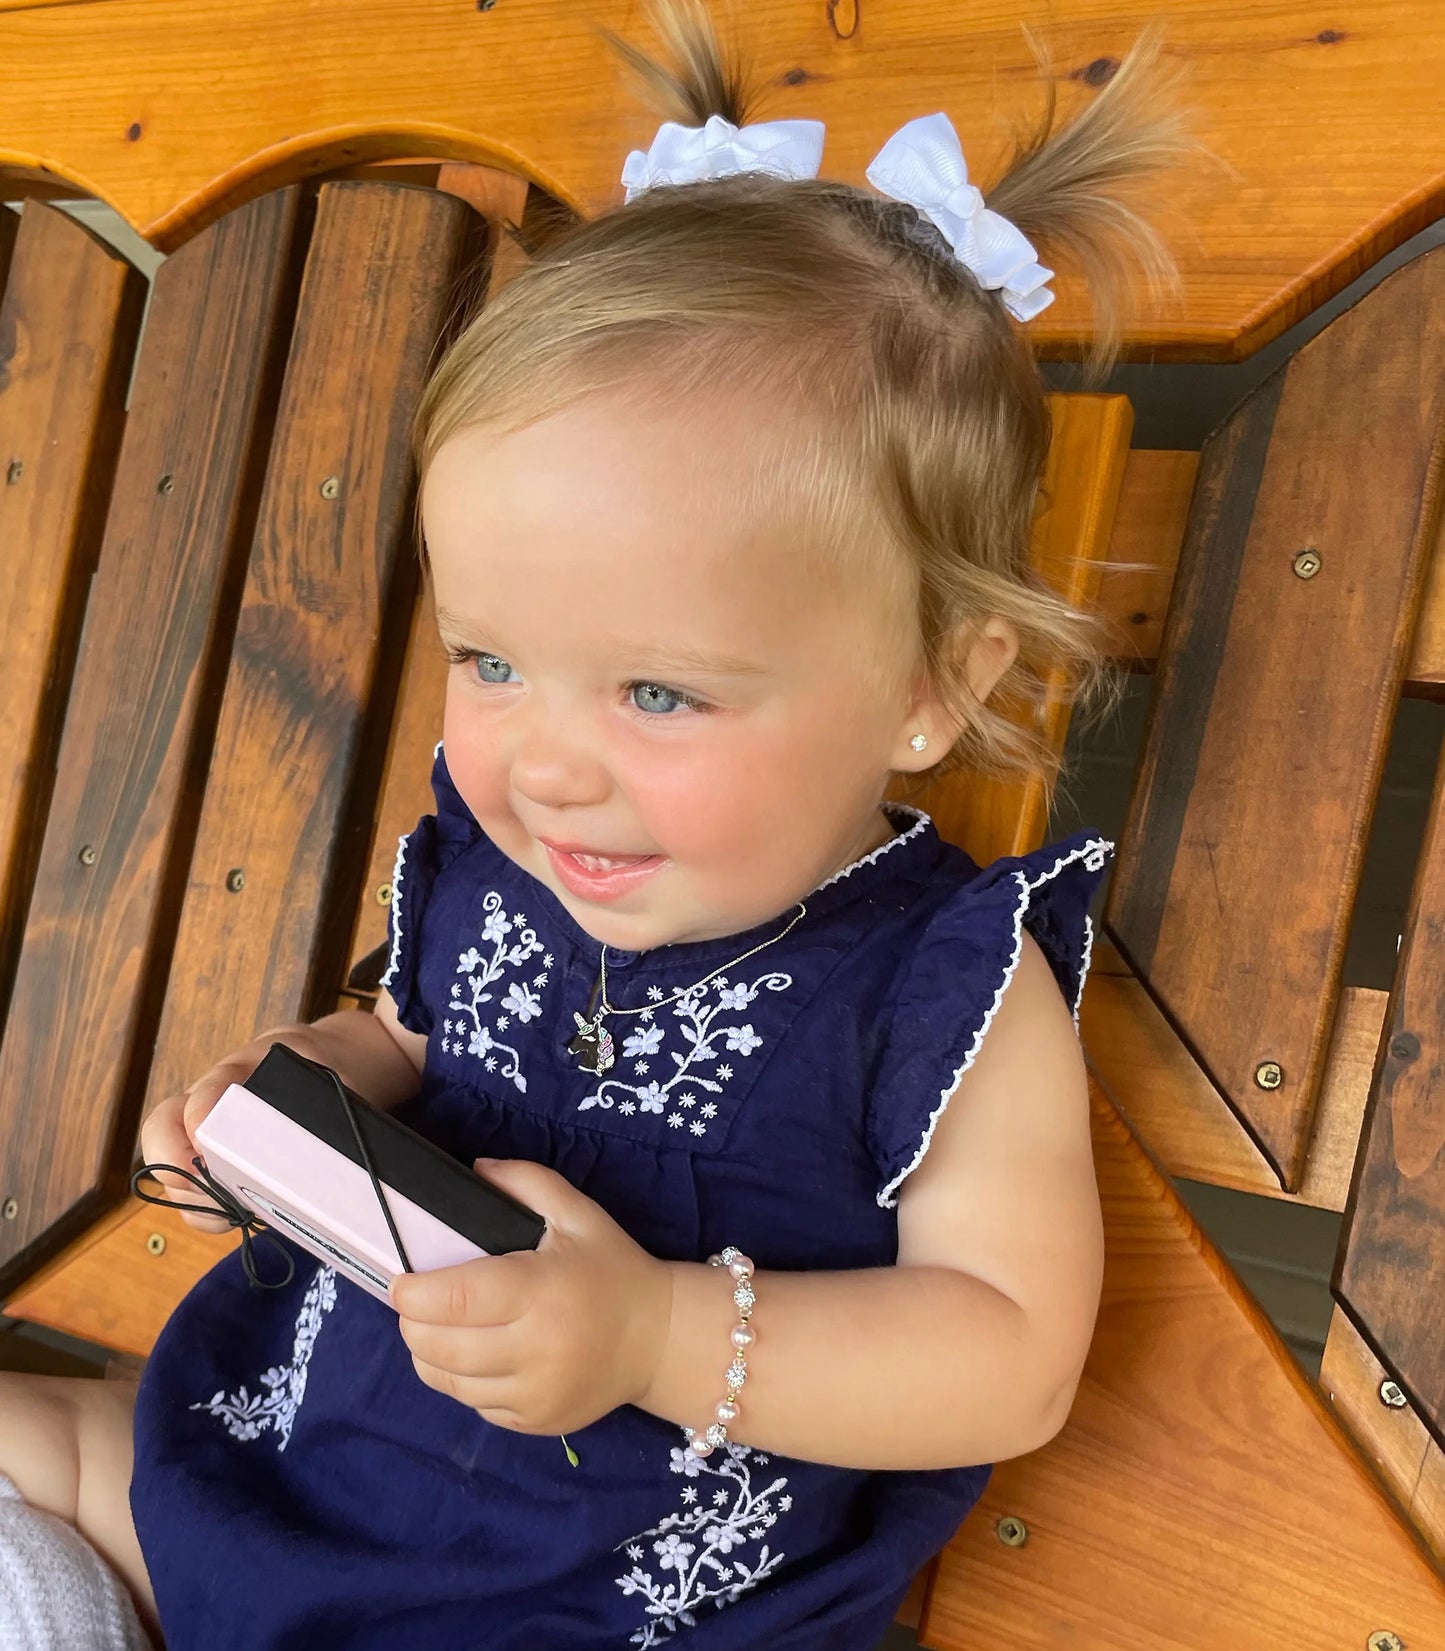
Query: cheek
x=471, y=758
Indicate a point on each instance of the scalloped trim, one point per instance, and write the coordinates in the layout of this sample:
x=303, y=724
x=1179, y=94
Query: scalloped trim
x=887, y=1196
x=921, y=822
x=393, y=963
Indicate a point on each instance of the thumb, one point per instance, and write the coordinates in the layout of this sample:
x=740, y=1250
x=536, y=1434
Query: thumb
x=551, y=1195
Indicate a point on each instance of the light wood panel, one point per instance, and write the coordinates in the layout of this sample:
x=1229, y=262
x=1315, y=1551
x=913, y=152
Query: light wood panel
x=1201, y=1495
x=202, y=107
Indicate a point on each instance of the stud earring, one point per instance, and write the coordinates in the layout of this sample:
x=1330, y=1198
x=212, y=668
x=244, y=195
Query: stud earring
x=919, y=742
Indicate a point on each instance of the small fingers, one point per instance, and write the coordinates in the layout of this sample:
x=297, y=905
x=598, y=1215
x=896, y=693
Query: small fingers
x=465, y=1351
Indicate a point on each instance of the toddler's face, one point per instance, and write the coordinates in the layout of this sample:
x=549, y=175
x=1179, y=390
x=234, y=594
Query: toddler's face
x=658, y=704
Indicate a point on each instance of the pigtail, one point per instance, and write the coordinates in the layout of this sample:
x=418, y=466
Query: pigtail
x=706, y=80
x=1067, y=188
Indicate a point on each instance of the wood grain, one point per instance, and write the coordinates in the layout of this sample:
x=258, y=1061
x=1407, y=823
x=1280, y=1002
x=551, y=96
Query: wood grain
x=1151, y=1077
x=1392, y=1252
x=68, y=329
x=1241, y=857
x=1201, y=1496
x=1395, y=1442
x=137, y=736
x=315, y=669
x=200, y=108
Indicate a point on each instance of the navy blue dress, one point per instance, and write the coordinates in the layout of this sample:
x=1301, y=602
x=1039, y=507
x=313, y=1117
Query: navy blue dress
x=296, y=1485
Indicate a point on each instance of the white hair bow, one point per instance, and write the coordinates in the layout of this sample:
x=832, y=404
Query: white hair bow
x=689, y=154
x=923, y=164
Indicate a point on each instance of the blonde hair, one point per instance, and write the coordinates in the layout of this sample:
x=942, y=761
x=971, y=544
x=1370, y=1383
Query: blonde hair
x=924, y=414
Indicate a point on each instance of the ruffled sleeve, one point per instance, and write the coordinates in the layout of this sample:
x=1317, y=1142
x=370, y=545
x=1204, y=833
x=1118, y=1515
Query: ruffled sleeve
x=951, y=987
x=421, y=857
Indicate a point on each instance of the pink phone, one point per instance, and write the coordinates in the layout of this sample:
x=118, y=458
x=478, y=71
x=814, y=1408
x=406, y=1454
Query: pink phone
x=359, y=1190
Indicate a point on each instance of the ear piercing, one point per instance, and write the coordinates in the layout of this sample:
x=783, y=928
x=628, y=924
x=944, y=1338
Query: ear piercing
x=919, y=742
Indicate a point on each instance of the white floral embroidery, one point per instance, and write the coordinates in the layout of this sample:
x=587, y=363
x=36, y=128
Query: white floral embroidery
x=247, y=1415
x=700, y=1033
x=512, y=943
x=689, y=1545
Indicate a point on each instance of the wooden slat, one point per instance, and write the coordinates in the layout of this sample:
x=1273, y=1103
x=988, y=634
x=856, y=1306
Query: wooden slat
x=1201, y=1496
x=1169, y=1101
x=1392, y=1253
x=1393, y=1439
x=314, y=675
x=137, y=732
x=69, y=323
x=1144, y=552
x=1240, y=861
x=535, y=87
x=989, y=816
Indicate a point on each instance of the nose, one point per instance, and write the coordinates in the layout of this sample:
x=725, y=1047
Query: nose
x=555, y=765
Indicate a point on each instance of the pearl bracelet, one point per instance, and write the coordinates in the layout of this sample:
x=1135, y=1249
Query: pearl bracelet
x=743, y=1337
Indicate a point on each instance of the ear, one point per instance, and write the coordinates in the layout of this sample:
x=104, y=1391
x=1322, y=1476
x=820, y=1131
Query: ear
x=993, y=648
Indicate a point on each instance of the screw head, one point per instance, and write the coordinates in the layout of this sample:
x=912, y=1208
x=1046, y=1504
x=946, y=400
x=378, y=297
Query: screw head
x=383, y=895
x=166, y=485
x=235, y=880
x=10, y=1208
x=1307, y=564
x=1269, y=1074
x=1384, y=1640
x=156, y=1243
x=331, y=487
x=1405, y=1047
x=1393, y=1395
x=87, y=855
x=1012, y=1531
x=14, y=472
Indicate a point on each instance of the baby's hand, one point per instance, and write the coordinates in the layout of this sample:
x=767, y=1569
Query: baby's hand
x=168, y=1134
x=544, y=1340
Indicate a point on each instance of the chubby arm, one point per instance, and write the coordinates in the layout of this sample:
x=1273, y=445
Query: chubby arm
x=971, y=1348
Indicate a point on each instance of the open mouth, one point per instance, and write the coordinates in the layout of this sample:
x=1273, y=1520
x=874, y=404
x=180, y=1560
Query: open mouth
x=601, y=876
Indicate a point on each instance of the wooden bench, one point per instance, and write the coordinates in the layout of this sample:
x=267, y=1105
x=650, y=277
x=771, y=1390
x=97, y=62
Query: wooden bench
x=223, y=695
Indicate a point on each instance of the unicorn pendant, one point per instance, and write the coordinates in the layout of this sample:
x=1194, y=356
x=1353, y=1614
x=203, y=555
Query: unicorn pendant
x=595, y=1041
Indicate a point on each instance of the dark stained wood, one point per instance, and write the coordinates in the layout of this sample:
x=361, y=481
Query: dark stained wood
x=1239, y=865
x=321, y=633
x=137, y=734
x=1390, y=1273
x=1201, y=1496
x=406, y=785
x=68, y=328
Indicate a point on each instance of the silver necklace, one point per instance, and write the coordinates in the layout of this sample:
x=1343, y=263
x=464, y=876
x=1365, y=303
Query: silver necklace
x=595, y=1041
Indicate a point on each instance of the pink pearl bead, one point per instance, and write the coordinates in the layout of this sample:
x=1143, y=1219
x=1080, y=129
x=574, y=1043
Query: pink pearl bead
x=699, y=1446
x=727, y=1412
x=744, y=1335
x=741, y=1267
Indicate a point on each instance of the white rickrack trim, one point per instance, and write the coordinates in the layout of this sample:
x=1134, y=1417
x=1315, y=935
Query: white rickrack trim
x=920, y=822
x=887, y=1198
x=393, y=963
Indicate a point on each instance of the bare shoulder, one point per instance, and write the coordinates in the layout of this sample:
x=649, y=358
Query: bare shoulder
x=1006, y=1191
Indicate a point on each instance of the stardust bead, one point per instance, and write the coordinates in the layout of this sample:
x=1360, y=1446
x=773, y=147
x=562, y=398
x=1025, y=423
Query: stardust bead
x=744, y=1335
x=699, y=1446
x=727, y=1412
x=740, y=1267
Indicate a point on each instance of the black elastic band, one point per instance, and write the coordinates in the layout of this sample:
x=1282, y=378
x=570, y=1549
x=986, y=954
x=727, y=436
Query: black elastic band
x=228, y=1207
x=245, y=1220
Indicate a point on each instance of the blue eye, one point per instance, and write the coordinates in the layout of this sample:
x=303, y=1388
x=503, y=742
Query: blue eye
x=492, y=669
x=659, y=701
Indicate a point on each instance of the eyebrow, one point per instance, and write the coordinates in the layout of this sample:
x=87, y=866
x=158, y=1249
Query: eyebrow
x=662, y=663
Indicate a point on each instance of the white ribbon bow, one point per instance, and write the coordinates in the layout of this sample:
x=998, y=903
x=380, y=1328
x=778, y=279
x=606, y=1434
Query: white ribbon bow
x=686, y=154
x=689, y=154
x=923, y=164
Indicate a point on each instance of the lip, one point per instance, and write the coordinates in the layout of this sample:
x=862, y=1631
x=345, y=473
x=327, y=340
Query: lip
x=596, y=882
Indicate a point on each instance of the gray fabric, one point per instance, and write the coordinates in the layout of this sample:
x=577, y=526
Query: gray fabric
x=56, y=1592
